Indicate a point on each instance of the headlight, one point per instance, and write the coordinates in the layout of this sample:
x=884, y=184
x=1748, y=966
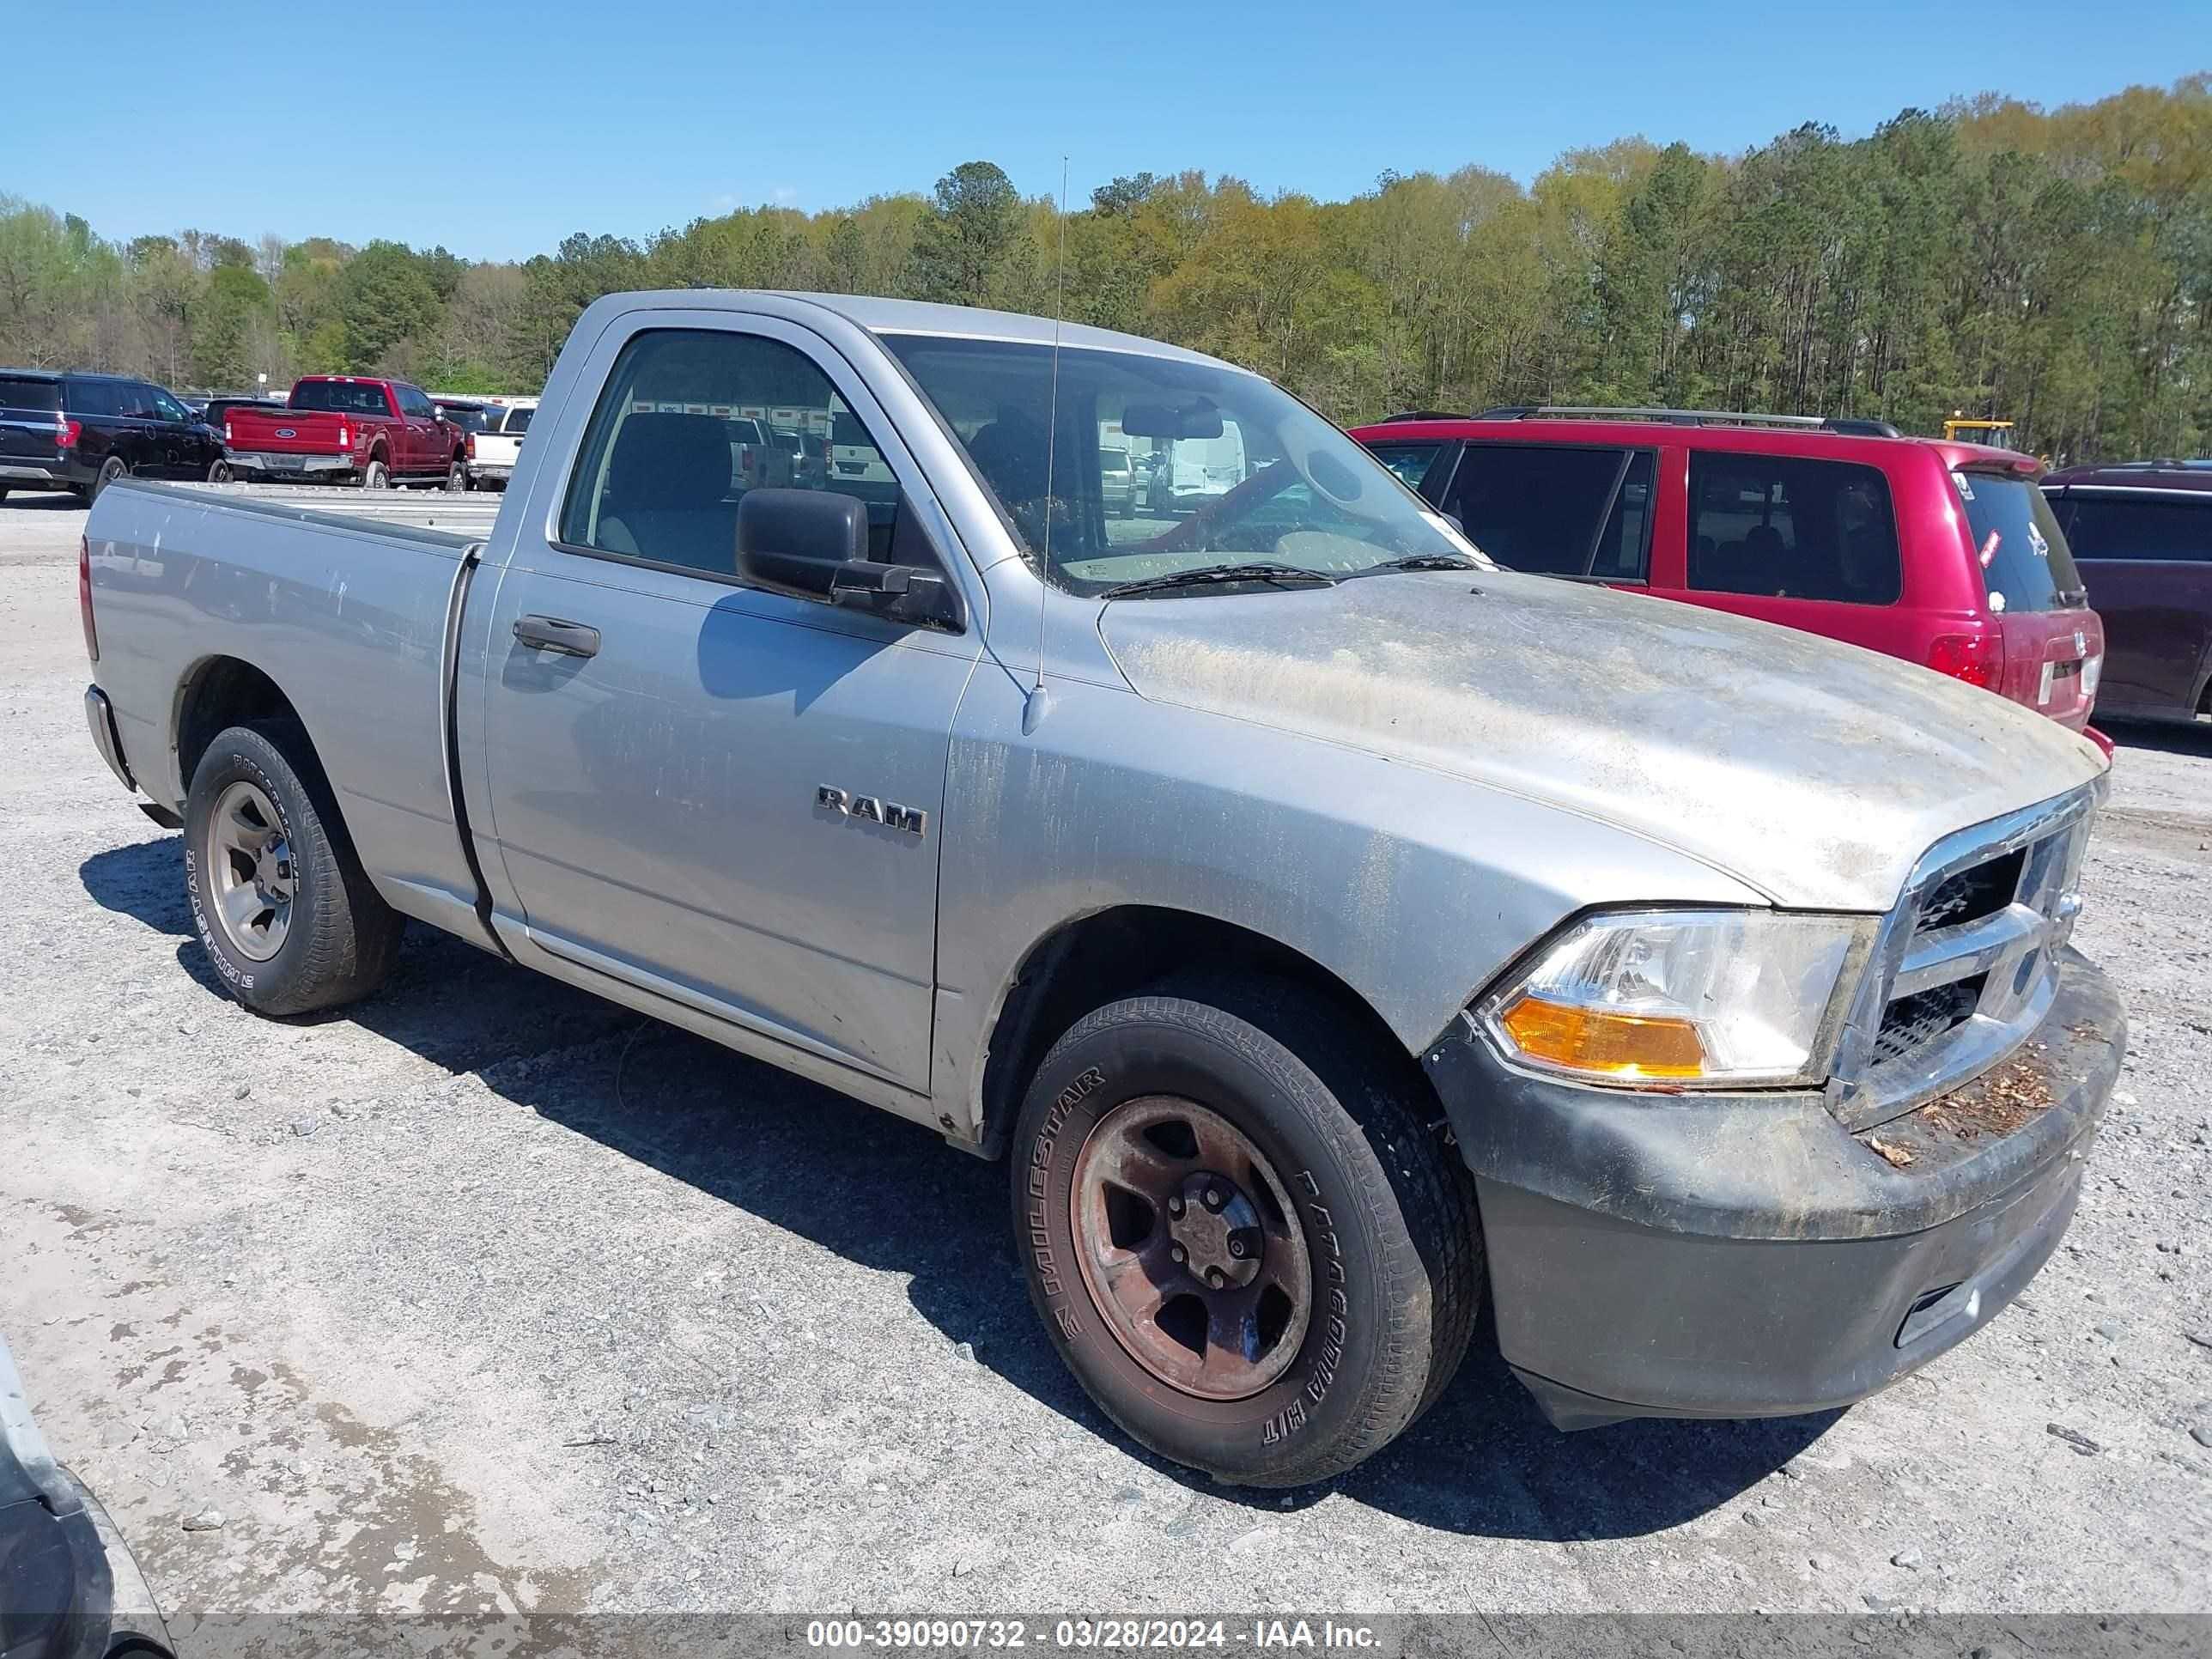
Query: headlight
x=1684, y=997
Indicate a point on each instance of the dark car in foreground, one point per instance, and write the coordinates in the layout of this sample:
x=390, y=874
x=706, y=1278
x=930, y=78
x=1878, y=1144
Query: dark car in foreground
x=69, y=1588
x=1940, y=553
x=69, y=429
x=2141, y=534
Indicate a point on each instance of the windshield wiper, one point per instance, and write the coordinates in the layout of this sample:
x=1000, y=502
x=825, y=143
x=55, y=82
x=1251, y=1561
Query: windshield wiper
x=1258, y=571
x=1422, y=561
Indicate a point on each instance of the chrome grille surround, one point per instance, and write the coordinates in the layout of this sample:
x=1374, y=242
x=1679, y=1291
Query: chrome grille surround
x=2013, y=950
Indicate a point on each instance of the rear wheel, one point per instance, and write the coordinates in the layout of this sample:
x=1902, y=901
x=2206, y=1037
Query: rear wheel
x=457, y=477
x=219, y=472
x=112, y=468
x=1240, y=1231
x=277, y=895
x=376, y=476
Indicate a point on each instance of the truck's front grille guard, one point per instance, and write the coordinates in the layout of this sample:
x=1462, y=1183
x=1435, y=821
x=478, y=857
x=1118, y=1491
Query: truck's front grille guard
x=2012, y=950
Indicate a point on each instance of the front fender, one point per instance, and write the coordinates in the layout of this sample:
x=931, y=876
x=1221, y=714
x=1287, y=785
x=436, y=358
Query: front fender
x=1411, y=886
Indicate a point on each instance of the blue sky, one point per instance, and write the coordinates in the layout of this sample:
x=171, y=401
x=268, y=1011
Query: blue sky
x=496, y=129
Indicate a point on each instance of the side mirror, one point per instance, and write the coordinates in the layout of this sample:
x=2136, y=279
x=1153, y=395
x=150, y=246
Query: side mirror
x=813, y=544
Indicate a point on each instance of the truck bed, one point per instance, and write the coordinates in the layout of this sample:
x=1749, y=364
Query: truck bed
x=344, y=598
x=456, y=519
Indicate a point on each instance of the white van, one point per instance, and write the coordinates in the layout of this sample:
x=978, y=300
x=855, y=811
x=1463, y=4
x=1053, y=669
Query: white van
x=1198, y=469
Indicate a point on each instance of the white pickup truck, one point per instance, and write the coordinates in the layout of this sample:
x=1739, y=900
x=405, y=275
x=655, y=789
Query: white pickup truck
x=492, y=452
x=1338, y=931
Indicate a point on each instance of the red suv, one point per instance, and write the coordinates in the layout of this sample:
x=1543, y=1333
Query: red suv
x=1944, y=554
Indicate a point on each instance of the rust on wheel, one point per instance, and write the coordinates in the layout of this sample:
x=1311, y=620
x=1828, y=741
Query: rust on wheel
x=1190, y=1248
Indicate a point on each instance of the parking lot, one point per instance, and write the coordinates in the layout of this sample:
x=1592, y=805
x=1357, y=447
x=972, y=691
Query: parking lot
x=486, y=1295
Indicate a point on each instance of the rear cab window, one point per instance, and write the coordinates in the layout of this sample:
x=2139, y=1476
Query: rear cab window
x=2025, y=560
x=340, y=398
x=1556, y=509
x=518, y=420
x=1780, y=526
x=19, y=392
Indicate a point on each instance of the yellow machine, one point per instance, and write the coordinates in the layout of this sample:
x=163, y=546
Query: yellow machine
x=1998, y=434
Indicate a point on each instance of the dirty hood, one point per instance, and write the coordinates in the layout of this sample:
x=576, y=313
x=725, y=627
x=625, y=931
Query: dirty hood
x=1815, y=772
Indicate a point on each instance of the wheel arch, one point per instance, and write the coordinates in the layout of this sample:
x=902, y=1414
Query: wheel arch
x=222, y=691
x=1088, y=961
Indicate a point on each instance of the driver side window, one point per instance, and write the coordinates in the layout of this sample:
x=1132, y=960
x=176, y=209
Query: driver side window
x=691, y=420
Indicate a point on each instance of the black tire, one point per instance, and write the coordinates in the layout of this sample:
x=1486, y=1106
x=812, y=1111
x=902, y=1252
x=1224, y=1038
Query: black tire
x=218, y=472
x=376, y=476
x=112, y=468
x=3, y=492
x=1375, y=1192
x=457, y=477
x=341, y=938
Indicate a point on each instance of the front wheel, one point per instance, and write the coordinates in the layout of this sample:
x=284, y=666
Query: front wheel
x=1241, y=1233
x=277, y=895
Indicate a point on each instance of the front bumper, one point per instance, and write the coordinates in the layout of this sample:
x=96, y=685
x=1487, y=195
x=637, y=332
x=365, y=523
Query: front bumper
x=1745, y=1256
x=276, y=463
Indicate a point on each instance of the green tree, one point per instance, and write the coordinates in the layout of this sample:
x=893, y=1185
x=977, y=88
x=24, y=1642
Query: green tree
x=969, y=233
x=385, y=296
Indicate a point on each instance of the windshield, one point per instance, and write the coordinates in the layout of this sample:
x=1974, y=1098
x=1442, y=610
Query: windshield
x=1245, y=473
x=2026, y=563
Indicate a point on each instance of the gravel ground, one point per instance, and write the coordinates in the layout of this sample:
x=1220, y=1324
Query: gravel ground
x=486, y=1295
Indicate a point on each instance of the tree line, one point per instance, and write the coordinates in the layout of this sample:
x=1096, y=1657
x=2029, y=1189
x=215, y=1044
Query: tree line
x=2053, y=268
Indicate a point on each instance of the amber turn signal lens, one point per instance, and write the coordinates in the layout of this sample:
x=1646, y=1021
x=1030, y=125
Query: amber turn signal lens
x=1603, y=1042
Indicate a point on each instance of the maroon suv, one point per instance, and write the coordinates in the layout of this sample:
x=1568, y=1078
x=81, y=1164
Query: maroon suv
x=2142, y=536
x=1944, y=554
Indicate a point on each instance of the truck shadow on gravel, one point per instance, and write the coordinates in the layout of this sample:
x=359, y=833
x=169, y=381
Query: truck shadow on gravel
x=889, y=1195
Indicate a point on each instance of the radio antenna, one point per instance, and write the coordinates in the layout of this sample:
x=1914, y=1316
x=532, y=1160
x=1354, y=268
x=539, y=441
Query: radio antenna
x=1034, y=711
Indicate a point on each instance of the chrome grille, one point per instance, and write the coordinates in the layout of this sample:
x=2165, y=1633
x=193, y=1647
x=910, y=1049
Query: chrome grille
x=1910, y=1024
x=1966, y=966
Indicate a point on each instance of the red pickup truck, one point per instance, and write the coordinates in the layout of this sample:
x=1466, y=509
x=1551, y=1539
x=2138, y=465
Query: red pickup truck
x=349, y=430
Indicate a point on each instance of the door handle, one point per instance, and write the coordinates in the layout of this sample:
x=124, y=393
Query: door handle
x=551, y=634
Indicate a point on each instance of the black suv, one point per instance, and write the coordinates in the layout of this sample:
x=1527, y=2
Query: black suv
x=71, y=430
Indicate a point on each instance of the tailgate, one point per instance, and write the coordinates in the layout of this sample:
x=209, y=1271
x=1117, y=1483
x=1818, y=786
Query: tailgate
x=2054, y=644
x=30, y=421
x=2053, y=661
x=289, y=431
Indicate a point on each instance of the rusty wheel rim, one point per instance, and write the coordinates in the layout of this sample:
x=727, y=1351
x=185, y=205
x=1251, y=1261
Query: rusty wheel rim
x=1190, y=1248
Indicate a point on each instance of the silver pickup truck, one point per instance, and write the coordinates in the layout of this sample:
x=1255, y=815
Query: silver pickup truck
x=1332, y=928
